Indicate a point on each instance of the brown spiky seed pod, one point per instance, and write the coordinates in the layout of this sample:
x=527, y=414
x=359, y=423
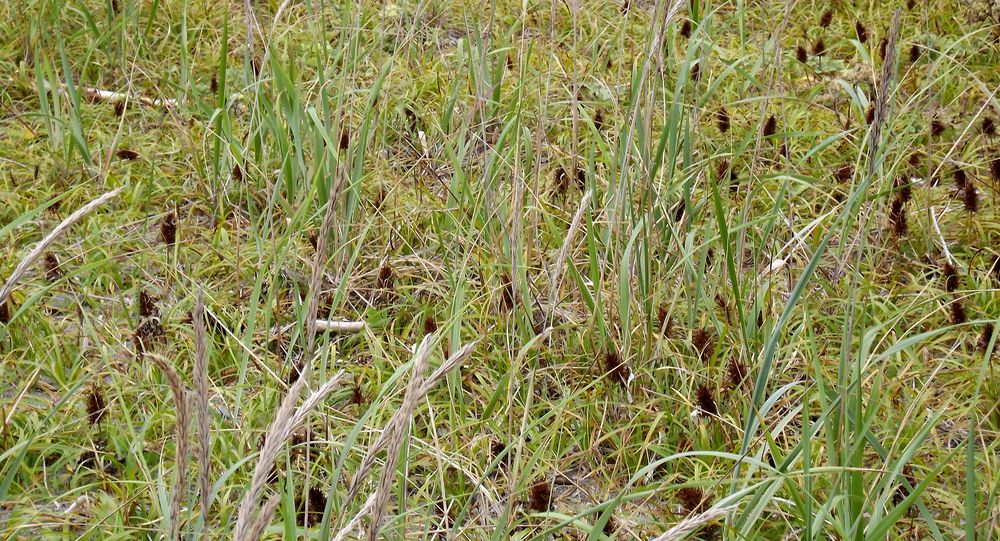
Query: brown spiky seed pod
x=52, y=270
x=989, y=127
x=951, y=278
x=826, y=19
x=970, y=197
x=771, y=126
x=937, y=127
x=686, y=28
x=961, y=179
x=96, y=406
x=883, y=45
x=127, y=154
x=958, y=315
x=147, y=305
x=723, y=120
x=693, y=500
x=706, y=400
x=897, y=217
x=914, y=53
x=540, y=496
x=984, y=339
x=168, y=229
x=801, y=55
x=861, y=31
x=995, y=169
x=430, y=325
x=213, y=85
x=904, y=188
x=845, y=173
x=737, y=372
x=385, y=277
x=704, y=343
x=819, y=48
x=616, y=369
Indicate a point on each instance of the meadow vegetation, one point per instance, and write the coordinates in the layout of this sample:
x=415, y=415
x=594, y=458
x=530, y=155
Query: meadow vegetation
x=533, y=270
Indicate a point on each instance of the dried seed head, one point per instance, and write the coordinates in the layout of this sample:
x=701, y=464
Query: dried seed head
x=581, y=179
x=904, y=189
x=616, y=369
x=561, y=186
x=706, y=400
x=96, y=406
x=916, y=160
x=995, y=169
x=540, y=496
x=119, y=108
x=883, y=44
x=357, y=395
x=316, y=499
x=870, y=113
x=937, y=127
x=958, y=315
x=801, y=55
x=860, y=30
x=770, y=127
x=52, y=270
x=686, y=28
x=168, y=229
x=704, y=343
x=430, y=325
x=722, y=119
x=961, y=179
x=826, y=19
x=989, y=126
x=237, y=172
x=819, y=48
x=693, y=500
x=845, y=173
x=599, y=120
x=720, y=169
x=664, y=319
x=737, y=372
x=506, y=291
x=147, y=305
x=5, y=312
x=984, y=339
x=385, y=278
x=897, y=217
x=127, y=154
x=910, y=4
x=914, y=53
x=970, y=198
x=345, y=140
x=951, y=278
x=213, y=85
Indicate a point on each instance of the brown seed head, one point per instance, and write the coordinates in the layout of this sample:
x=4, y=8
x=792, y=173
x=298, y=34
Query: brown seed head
x=984, y=339
x=385, y=278
x=970, y=198
x=722, y=119
x=693, y=500
x=951, y=278
x=860, y=30
x=819, y=47
x=826, y=19
x=147, y=305
x=958, y=315
x=737, y=372
x=213, y=85
x=995, y=169
x=168, y=229
x=801, y=55
x=937, y=127
x=52, y=270
x=914, y=53
x=770, y=127
x=706, y=400
x=686, y=28
x=127, y=154
x=430, y=325
x=989, y=126
x=704, y=343
x=616, y=369
x=540, y=496
x=96, y=406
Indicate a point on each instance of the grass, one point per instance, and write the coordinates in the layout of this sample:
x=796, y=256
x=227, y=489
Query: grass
x=674, y=268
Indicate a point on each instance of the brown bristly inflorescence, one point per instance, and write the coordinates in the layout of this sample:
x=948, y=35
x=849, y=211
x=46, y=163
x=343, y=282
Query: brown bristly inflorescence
x=315, y=498
x=861, y=31
x=52, y=270
x=819, y=47
x=147, y=305
x=826, y=19
x=96, y=405
x=951, y=279
x=430, y=324
x=616, y=369
x=213, y=84
x=984, y=339
x=237, y=172
x=988, y=127
x=693, y=500
x=883, y=44
x=897, y=216
x=561, y=181
x=737, y=372
x=704, y=343
x=706, y=400
x=937, y=127
x=664, y=320
x=845, y=173
x=385, y=277
x=958, y=315
x=686, y=28
x=770, y=127
x=723, y=120
x=168, y=228
x=801, y=55
x=970, y=197
x=995, y=169
x=914, y=53
x=540, y=496
x=961, y=179
x=127, y=154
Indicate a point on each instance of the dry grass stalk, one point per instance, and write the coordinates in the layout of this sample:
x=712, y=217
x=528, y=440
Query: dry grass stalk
x=264, y=517
x=285, y=422
x=183, y=421
x=43, y=245
x=882, y=93
x=344, y=327
x=315, y=282
x=689, y=525
x=383, y=439
x=353, y=523
x=201, y=395
x=564, y=251
x=110, y=96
